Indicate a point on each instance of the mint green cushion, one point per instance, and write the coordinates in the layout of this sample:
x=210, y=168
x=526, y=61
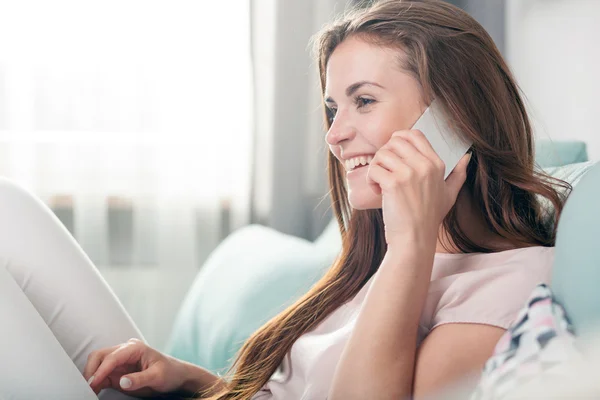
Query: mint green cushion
x=550, y=153
x=251, y=277
x=576, y=273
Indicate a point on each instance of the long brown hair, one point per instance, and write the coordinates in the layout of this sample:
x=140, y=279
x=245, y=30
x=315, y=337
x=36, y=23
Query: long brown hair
x=455, y=60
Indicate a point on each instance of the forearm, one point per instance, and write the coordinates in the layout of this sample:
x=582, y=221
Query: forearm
x=378, y=360
x=196, y=379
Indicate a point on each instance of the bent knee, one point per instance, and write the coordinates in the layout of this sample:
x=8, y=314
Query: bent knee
x=13, y=196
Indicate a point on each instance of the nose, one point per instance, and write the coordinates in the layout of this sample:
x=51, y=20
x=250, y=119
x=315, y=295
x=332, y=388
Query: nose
x=340, y=130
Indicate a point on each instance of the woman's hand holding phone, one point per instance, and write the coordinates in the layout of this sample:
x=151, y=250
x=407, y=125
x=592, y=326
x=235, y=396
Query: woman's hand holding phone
x=409, y=175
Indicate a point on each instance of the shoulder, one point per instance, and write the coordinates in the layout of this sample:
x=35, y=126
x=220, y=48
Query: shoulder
x=490, y=288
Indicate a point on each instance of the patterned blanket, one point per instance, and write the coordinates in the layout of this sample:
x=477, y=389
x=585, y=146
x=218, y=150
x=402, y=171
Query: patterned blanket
x=538, y=344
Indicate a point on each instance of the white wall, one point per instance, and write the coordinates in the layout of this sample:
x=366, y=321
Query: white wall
x=553, y=47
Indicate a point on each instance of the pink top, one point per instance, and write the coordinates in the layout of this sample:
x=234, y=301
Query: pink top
x=465, y=288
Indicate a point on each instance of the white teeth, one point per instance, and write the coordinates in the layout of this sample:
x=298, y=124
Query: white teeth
x=356, y=161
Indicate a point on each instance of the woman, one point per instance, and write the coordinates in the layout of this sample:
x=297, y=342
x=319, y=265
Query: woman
x=432, y=271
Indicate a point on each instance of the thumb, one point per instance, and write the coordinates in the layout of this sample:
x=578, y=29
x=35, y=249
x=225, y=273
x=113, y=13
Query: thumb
x=457, y=177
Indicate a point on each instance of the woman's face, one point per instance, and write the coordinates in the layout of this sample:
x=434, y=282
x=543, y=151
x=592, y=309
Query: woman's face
x=369, y=98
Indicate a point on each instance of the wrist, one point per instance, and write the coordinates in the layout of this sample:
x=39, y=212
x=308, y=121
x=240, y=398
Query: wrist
x=194, y=379
x=190, y=383
x=418, y=240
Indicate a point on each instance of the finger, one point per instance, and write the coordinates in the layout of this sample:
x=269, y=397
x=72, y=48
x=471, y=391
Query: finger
x=98, y=387
x=422, y=144
x=128, y=353
x=378, y=176
x=94, y=360
x=397, y=166
x=152, y=377
x=411, y=155
x=388, y=159
x=399, y=141
x=418, y=139
x=457, y=178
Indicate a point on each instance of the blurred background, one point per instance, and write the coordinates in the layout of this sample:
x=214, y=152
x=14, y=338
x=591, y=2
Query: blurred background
x=154, y=129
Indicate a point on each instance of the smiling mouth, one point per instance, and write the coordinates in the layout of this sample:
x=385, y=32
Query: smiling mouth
x=355, y=163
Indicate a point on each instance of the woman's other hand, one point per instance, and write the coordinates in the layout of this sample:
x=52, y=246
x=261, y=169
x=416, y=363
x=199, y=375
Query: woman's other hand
x=134, y=368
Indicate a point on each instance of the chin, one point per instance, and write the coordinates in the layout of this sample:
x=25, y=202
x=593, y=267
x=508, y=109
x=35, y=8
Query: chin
x=364, y=199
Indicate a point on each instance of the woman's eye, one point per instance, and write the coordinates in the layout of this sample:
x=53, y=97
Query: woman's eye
x=331, y=114
x=363, y=102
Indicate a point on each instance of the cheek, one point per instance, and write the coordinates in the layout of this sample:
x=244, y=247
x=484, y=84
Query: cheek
x=378, y=130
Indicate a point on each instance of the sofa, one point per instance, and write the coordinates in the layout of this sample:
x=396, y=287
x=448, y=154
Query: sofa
x=256, y=272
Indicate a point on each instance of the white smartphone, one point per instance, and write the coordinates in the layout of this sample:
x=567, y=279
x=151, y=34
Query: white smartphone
x=447, y=143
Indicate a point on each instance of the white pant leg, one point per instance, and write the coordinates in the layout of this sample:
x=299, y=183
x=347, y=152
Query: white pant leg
x=33, y=365
x=60, y=282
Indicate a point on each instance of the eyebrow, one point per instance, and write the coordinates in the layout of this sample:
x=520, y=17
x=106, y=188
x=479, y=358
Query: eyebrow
x=350, y=90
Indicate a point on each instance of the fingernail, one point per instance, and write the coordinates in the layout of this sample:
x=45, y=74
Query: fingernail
x=91, y=379
x=125, y=383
